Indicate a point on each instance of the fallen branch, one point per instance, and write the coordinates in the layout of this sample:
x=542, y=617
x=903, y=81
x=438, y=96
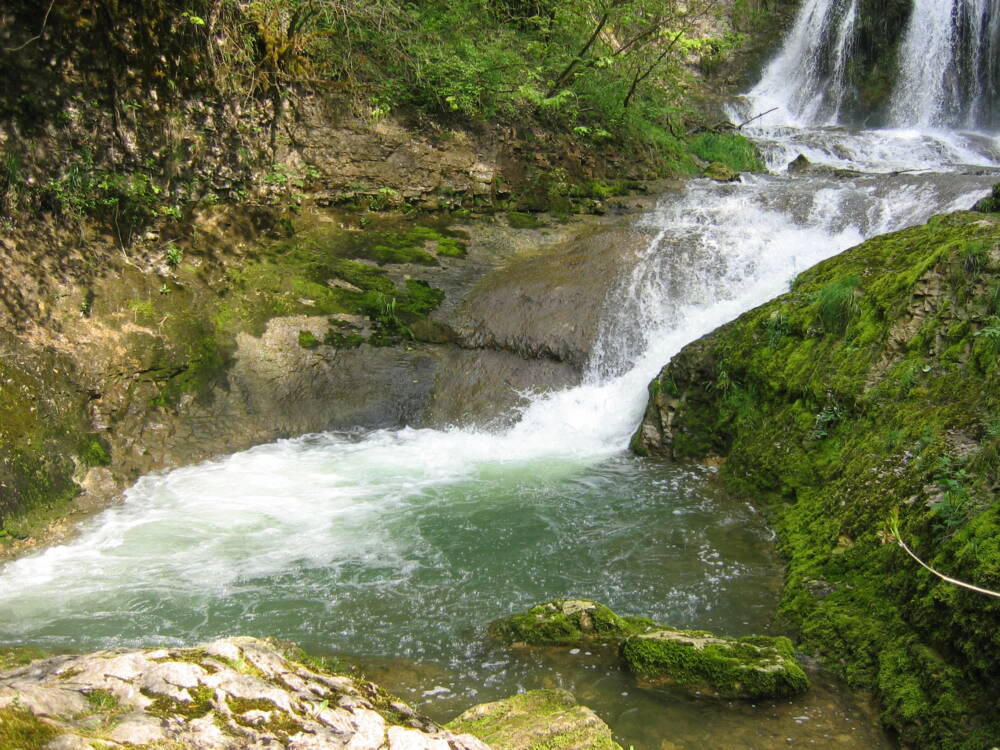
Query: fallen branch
x=755, y=117
x=894, y=527
x=45, y=21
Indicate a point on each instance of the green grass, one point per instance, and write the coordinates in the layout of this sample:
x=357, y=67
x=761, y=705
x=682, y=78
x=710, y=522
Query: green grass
x=733, y=150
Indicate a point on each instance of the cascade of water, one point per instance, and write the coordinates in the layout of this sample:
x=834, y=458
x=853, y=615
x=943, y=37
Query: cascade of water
x=948, y=65
x=807, y=81
x=205, y=550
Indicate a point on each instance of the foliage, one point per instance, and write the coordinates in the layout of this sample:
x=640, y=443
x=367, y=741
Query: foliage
x=733, y=150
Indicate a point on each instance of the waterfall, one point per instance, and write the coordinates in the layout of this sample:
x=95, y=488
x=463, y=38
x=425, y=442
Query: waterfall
x=948, y=62
x=948, y=66
x=807, y=81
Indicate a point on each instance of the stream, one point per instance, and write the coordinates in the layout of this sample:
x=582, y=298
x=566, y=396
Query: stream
x=395, y=548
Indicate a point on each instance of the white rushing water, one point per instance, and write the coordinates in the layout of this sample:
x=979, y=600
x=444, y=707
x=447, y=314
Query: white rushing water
x=949, y=62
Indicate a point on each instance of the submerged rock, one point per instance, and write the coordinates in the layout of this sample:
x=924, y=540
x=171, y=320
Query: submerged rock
x=232, y=694
x=568, y=622
x=550, y=719
x=752, y=667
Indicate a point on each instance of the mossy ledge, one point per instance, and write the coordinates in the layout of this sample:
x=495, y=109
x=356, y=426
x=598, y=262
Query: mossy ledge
x=870, y=389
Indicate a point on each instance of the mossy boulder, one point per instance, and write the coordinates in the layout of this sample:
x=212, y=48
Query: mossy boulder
x=871, y=388
x=753, y=667
x=536, y=720
x=991, y=203
x=721, y=172
x=568, y=622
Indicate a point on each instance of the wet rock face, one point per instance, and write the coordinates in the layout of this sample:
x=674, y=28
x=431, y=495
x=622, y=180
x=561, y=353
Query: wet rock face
x=549, y=719
x=232, y=694
x=550, y=306
x=355, y=158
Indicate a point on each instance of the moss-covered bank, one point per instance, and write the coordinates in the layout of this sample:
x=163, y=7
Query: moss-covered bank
x=871, y=388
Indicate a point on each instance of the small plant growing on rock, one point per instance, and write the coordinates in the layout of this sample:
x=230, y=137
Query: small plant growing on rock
x=174, y=255
x=837, y=304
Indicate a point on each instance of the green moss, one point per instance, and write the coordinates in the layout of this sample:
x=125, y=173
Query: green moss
x=567, y=622
x=730, y=149
x=17, y=656
x=522, y=220
x=279, y=722
x=308, y=340
x=389, y=254
x=21, y=730
x=93, y=453
x=536, y=720
x=200, y=704
x=754, y=667
x=43, y=426
x=884, y=403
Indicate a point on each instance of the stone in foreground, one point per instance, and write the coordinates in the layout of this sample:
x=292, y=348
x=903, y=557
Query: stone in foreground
x=701, y=663
x=540, y=719
x=233, y=694
x=568, y=622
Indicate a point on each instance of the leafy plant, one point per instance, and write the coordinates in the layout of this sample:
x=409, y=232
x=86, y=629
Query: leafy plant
x=828, y=416
x=174, y=254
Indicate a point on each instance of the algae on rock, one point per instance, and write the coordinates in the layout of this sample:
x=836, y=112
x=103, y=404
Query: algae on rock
x=232, y=694
x=567, y=622
x=752, y=667
x=536, y=720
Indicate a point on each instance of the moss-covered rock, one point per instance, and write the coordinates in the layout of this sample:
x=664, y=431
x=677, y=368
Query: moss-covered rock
x=721, y=173
x=568, y=622
x=536, y=720
x=991, y=203
x=872, y=387
x=753, y=667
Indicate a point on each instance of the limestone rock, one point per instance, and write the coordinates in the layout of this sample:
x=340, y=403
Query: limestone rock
x=233, y=694
x=541, y=718
x=568, y=622
x=752, y=667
